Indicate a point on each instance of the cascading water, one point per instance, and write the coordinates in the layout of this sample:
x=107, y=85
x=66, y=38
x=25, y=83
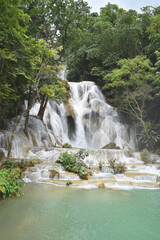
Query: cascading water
x=96, y=122
x=86, y=121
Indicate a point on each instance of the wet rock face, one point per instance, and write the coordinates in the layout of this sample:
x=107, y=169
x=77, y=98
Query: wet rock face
x=1, y=154
x=53, y=173
x=111, y=145
x=71, y=127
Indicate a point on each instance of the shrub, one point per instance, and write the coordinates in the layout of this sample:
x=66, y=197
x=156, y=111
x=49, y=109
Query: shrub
x=10, y=182
x=21, y=164
x=145, y=156
x=67, y=145
x=81, y=154
x=69, y=182
x=10, y=163
x=152, y=142
x=71, y=164
x=158, y=151
x=66, y=159
x=117, y=167
x=56, y=166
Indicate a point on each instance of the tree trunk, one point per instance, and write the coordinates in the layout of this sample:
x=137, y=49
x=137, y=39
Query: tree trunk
x=28, y=110
x=26, y=124
x=42, y=108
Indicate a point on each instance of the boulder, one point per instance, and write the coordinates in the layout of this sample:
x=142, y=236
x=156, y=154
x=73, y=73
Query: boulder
x=53, y=173
x=1, y=154
x=101, y=185
x=88, y=176
x=111, y=145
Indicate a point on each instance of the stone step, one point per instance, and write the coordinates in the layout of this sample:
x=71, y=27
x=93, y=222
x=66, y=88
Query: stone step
x=109, y=184
x=142, y=176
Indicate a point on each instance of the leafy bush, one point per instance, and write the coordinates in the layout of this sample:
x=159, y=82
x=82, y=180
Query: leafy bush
x=81, y=154
x=67, y=145
x=66, y=159
x=152, y=142
x=117, y=167
x=9, y=163
x=69, y=182
x=56, y=166
x=10, y=182
x=158, y=151
x=21, y=164
x=145, y=156
x=71, y=164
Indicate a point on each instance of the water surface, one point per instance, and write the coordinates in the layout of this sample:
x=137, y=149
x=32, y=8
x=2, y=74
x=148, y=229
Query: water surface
x=57, y=213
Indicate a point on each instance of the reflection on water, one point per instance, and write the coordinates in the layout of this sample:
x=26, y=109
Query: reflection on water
x=52, y=213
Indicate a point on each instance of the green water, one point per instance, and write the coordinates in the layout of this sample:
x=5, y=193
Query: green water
x=52, y=213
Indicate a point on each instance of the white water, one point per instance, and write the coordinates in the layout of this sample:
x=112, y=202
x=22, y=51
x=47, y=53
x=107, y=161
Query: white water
x=86, y=121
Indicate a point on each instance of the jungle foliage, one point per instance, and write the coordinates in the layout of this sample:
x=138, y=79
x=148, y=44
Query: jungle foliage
x=120, y=51
x=10, y=182
x=33, y=38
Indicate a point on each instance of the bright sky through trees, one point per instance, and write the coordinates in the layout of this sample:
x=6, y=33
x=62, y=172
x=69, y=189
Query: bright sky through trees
x=126, y=4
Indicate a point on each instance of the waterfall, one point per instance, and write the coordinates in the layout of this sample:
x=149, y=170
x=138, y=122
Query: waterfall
x=96, y=122
x=86, y=121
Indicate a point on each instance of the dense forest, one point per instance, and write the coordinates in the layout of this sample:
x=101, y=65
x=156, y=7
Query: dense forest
x=117, y=49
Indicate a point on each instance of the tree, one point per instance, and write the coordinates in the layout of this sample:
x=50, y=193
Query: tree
x=66, y=17
x=113, y=35
x=131, y=84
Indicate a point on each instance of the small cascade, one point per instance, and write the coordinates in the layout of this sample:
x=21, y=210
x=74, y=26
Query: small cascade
x=140, y=175
x=148, y=178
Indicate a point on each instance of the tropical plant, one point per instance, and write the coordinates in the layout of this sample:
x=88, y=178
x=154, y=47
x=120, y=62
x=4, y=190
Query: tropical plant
x=146, y=156
x=71, y=164
x=153, y=135
x=10, y=182
x=69, y=182
x=67, y=145
x=117, y=167
x=81, y=154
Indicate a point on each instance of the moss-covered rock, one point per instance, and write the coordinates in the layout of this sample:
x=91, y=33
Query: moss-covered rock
x=53, y=173
x=101, y=185
x=1, y=154
x=145, y=156
x=111, y=145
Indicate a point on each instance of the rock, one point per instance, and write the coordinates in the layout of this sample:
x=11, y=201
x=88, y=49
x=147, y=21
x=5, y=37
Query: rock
x=88, y=176
x=111, y=145
x=53, y=173
x=1, y=154
x=101, y=185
